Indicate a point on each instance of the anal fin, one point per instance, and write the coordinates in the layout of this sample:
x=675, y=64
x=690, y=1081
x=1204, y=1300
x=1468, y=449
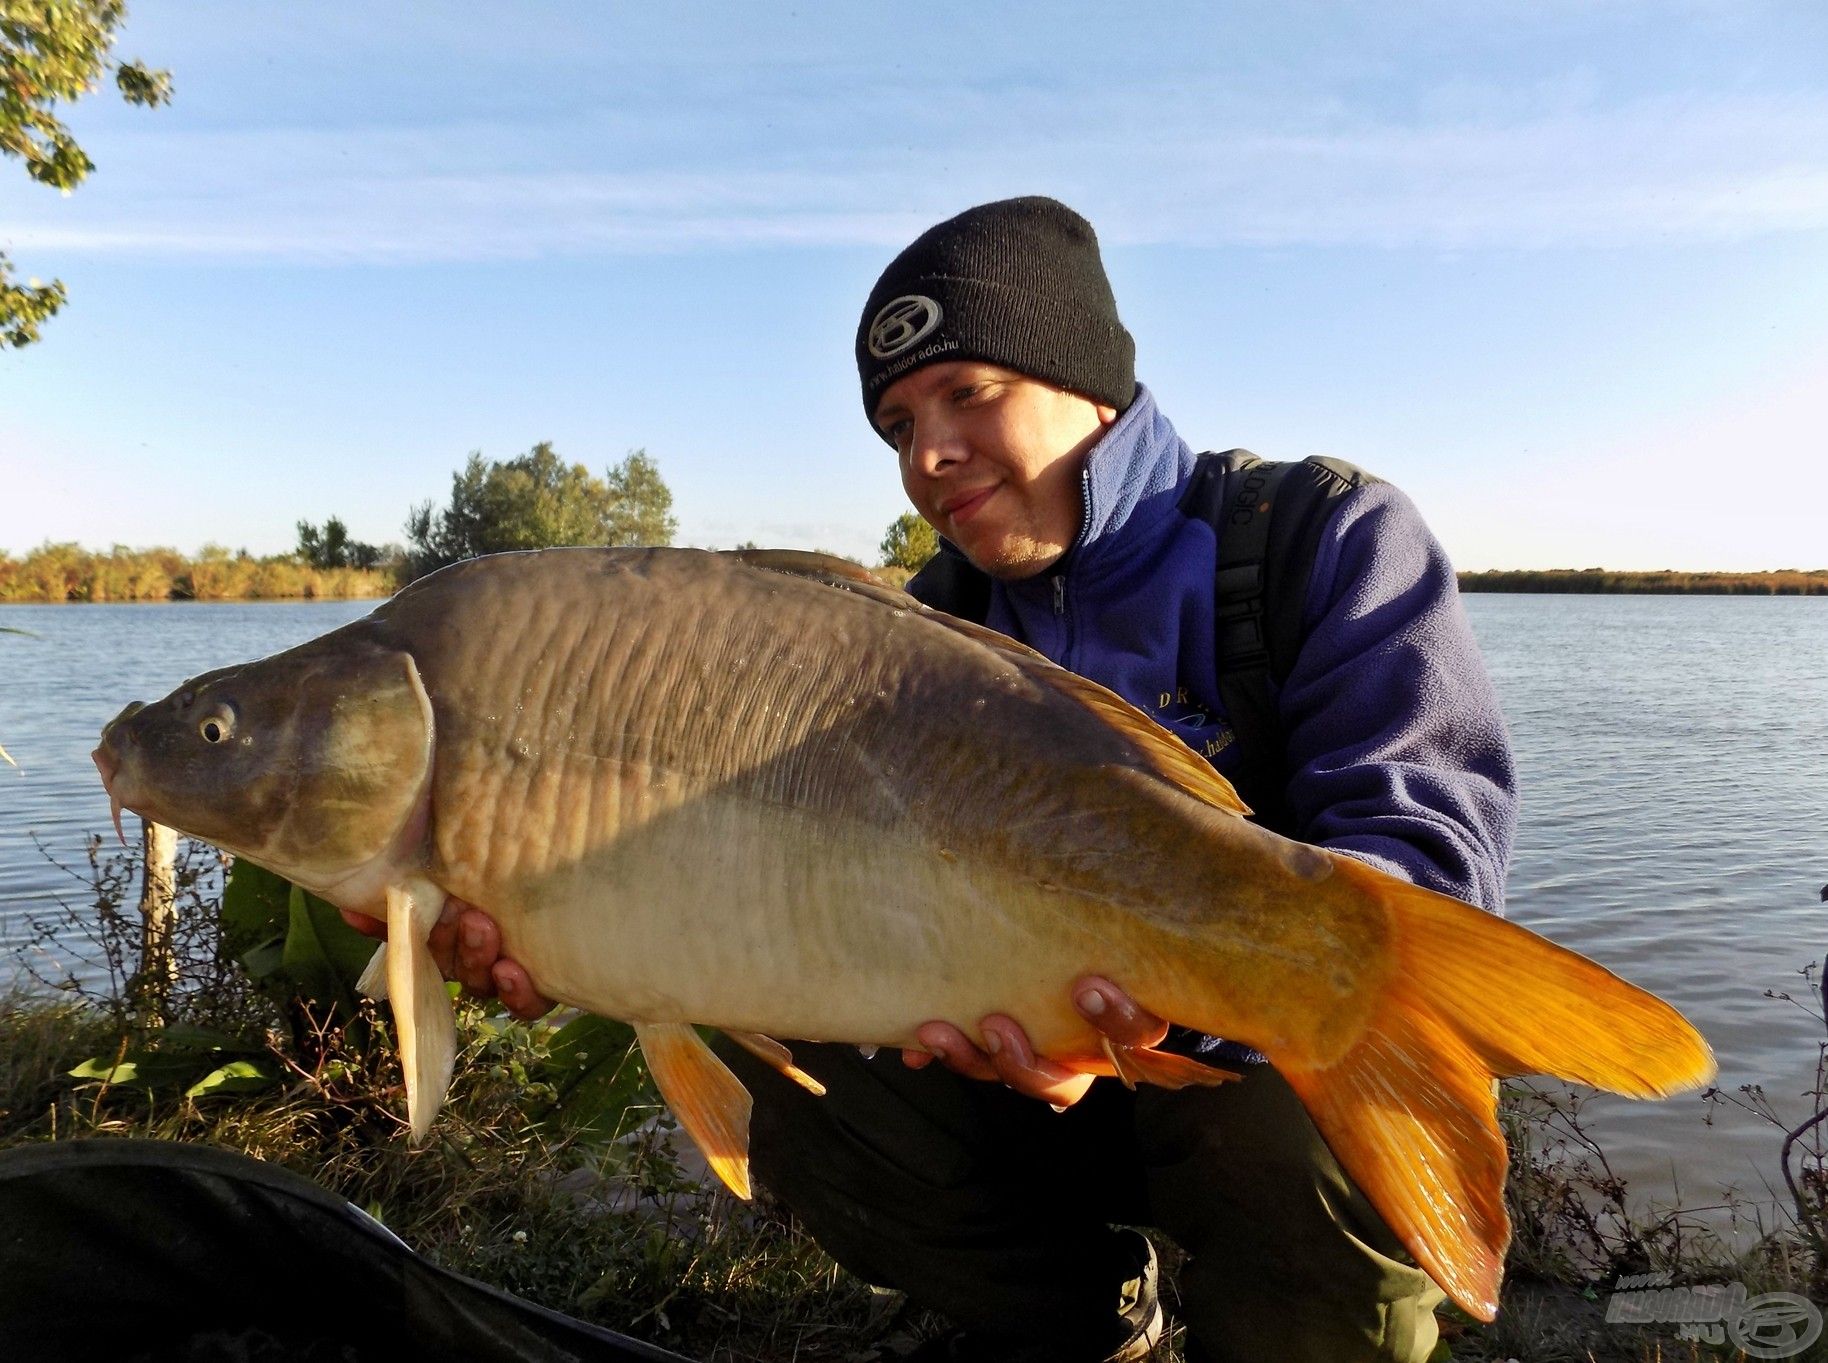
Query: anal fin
x=710, y=1102
x=777, y=1057
x=423, y=1018
x=1163, y=1069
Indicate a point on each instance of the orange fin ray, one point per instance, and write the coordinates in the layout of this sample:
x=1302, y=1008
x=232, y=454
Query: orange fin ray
x=778, y=1058
x=1410, y=1107
x=710, y=1102
x=1135, y=1065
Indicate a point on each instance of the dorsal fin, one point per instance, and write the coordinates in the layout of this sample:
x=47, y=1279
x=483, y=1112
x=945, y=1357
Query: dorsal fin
x=1165, y=754
x=827, y=568
x=1161, y=750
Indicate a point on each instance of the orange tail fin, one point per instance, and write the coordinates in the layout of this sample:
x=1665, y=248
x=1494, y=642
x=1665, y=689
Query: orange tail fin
x=1410, y=1110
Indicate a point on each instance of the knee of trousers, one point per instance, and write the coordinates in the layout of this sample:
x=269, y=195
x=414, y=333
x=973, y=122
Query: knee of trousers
x=877, y=1120
x=1287, y=1254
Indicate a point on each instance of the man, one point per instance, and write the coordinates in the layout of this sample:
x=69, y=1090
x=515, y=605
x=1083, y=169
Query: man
x=991, y=1185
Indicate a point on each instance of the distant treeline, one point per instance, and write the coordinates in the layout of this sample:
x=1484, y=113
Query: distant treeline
x=1782, y=582
x=68, y=572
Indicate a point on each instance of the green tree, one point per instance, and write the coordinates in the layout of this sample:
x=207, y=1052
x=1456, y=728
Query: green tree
x=642, y=510
x=331, y=547
x=909, y=543
x=536, y=501
x=51, y=51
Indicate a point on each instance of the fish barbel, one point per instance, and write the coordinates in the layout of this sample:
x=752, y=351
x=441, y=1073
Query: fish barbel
x=766, y=792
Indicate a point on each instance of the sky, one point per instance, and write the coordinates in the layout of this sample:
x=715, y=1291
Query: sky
x=1559, y=270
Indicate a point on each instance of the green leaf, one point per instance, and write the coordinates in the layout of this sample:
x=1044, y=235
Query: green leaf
x=238, y=1076
x=265, y=961
x=288, y=939
x=255, y=915
x=599, y=1074
x=310, y=963
x=140, y=1068
x=97, y=1068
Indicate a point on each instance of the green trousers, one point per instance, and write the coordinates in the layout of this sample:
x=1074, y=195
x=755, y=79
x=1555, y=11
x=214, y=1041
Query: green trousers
x=997, y=1211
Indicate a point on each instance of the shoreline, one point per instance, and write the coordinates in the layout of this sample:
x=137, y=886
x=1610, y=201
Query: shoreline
x=195, y=600
x=1668, y=582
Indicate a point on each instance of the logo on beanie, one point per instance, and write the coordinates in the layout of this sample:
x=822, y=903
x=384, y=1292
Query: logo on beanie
x=902, y=322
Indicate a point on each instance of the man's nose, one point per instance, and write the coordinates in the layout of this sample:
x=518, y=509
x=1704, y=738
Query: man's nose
x=933, y=445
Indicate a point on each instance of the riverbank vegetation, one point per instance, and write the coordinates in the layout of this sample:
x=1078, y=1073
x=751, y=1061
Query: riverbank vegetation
x=1781, y=582
x=555, y=1173
x=532, y=501
x=68, y=572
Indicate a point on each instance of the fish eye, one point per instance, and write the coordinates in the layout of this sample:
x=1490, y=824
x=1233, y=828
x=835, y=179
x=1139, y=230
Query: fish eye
x=216, y=728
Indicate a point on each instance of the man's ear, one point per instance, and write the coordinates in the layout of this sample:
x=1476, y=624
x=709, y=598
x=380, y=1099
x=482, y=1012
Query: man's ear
x=1106, y=415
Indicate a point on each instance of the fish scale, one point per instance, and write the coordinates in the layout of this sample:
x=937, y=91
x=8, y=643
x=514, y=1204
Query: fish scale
x=764, y=791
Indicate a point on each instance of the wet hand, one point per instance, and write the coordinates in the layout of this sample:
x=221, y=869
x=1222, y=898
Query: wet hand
x=466, y=944
x=1008, y=1058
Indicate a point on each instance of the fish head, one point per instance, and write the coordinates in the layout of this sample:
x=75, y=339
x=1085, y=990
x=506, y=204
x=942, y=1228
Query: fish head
x=314, y=763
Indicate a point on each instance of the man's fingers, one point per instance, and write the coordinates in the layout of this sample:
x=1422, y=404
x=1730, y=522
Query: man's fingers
x=478, y=948
x=1116, y=1014
x=466, y=944
x=443, y=939
x=517, y=993
x=1021, y=1069
x=953, y=1049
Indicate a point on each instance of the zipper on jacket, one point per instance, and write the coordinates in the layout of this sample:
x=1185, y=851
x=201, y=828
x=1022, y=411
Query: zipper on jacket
x=1059, y=593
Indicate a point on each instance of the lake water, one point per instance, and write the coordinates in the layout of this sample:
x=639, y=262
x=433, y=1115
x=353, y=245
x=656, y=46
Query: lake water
x=1674, y=762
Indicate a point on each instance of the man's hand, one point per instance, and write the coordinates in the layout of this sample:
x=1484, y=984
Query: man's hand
x=467, y=947
x=1010, y=1059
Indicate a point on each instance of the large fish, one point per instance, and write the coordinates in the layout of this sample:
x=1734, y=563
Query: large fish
x=766, y=792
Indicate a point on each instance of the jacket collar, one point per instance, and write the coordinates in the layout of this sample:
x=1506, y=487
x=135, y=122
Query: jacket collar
x=1130, y=486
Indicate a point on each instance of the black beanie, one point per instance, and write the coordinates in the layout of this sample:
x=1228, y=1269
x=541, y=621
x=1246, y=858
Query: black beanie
x=1016, y=283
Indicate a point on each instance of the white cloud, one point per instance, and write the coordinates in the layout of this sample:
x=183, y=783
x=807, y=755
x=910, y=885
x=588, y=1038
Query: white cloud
x=1655, y=172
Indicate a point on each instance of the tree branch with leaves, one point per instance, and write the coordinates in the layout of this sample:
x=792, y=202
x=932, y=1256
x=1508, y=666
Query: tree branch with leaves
x=52, y=52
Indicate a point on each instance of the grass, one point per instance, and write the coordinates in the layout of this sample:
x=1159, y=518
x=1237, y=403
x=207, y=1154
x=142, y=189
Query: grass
x=603, y=1218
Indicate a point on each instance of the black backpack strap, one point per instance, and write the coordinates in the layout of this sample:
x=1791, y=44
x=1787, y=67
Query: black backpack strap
x=948, y=582
x=1307, y=503
x=1235, y=492
x=1269, y=518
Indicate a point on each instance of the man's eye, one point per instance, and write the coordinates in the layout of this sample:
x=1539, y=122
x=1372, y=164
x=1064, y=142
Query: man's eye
x=898, y=432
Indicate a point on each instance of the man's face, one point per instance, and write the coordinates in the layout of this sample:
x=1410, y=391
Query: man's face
x=991, y=459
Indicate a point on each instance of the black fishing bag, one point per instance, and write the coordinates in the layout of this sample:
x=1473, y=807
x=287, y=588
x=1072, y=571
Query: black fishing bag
x=158, y=1252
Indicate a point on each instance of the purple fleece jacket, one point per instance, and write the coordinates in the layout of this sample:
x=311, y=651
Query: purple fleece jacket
x=1396, y=748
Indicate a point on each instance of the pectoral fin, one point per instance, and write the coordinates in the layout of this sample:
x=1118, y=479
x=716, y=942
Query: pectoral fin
x=373, y=983
x=710, y=1102
x=773, y=1054
x=422, y=1010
